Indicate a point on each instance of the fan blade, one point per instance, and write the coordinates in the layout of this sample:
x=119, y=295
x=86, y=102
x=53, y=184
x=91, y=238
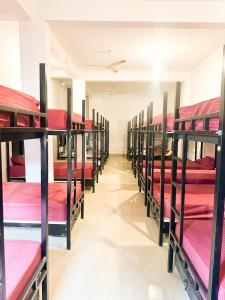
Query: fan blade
x=98, y=66
x=117, y=63
x=111, y=68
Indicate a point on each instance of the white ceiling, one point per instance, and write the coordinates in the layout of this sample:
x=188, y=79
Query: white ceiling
x=11, y=10
x=180, y=48
x=127, y=87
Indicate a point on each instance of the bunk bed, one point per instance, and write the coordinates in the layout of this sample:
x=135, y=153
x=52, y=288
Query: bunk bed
x=71, y=126
x=201, y=171
x=198, y=245
x=66, y=199
x=24, y=263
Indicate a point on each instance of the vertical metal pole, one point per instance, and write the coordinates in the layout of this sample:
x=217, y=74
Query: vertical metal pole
x=69, y=165
x=2, y=248
x=162, y=171
x=44, y=176
x=94, y=149
x=97, y=147
x=174, y=177
x=83, y=157
x=218, y=213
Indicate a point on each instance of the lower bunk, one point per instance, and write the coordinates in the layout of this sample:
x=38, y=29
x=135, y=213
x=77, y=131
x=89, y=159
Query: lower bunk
x=192, y=259
x=22, y=207
x=199, y=203
x=17, y=171
x=25, y=269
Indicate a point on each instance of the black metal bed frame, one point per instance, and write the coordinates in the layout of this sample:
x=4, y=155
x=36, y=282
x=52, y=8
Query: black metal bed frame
x=129, y=146
x=40, y=276
x=153, y=206
x=189, y=275
x=73, y=129
x=134, y=138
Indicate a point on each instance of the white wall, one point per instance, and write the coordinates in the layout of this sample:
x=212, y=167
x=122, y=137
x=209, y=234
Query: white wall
x=204, y=80
x=119, y=109
x=203, y=83
x=10, y=64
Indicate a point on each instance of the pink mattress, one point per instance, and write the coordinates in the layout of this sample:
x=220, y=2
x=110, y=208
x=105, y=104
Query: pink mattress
x=89, y=124
x=158, y=120
x=57, y=119
x=192, y=176
x=198, y=250
x=22, y=259
x=205, y=163
x=16, y=99
x=60, y=170
x=199, y=200
x=17, y=169
x=170, y=120
x=22, y=201
x=201, y=108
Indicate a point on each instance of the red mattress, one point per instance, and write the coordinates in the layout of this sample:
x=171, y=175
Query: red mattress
x=17, y=169
x=60, y=170
x=57, y=119
x=198, y=250
x=89, y=124
x=201, y=108
x=199, y=200
x=192, y=176
x=16, y=99
x=205, y=163
x=22, y=201
x=22, y=259
x=170, y=120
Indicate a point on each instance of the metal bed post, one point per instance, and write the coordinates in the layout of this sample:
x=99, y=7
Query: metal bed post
x=147, y=170
x=128, y=132
x=162, y=171
x=135, y=146
x=107, y=139
x=8, y=162
x=142, y=137
x=83, y=157
x=69, y=166
x=2, y=248
x=44, y=177
x=218, y=213
x=97, y=147
x=94, y=150
x=132, y=141
x=137, y=166
x=101, y=144
x=174, y=176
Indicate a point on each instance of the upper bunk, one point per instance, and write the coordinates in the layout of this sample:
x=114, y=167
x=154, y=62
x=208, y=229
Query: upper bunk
x=22, y=116
x=202, y=116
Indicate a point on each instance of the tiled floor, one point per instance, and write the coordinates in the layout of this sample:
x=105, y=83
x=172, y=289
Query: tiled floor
x=114, y=252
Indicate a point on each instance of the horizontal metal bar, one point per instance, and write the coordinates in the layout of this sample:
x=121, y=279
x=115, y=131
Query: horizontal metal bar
x=198, y=117
x=9, y=109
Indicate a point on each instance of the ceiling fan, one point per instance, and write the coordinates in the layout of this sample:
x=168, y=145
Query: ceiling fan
x=110, y=67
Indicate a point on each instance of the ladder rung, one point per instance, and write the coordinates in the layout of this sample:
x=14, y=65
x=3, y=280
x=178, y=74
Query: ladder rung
x=176, y=185
x=175, y=211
